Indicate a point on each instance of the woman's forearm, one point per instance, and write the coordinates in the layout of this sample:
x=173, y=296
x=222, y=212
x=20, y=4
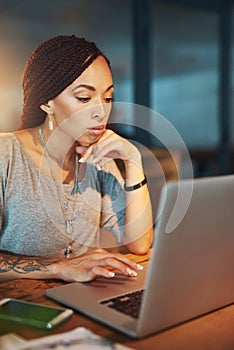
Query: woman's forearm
x=82, y=268
x=138, y=218
x=14, y=266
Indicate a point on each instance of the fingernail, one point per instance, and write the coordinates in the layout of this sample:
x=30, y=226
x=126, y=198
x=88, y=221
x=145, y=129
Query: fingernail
x=98, y=167
x=95, y=160
x=140, y=267
x=111, y=274
x=131, y=272
x=81, y=160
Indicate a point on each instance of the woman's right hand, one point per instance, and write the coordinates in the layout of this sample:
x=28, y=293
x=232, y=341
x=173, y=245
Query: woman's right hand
x=99, y=262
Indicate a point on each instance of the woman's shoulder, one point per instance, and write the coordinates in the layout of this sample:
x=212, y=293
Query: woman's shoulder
x=12, y=150
x=6, y=135
x=10, y=140
x=8, y=145
x=7, y=140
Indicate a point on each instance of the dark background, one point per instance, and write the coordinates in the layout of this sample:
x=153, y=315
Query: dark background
x=172, y=56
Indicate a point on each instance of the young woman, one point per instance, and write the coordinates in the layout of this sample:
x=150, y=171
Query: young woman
x=61, y=192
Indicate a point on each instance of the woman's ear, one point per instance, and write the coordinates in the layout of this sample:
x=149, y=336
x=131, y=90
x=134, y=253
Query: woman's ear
x=46, y=107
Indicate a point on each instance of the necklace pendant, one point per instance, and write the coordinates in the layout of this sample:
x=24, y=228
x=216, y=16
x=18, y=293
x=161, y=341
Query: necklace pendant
x=68, y=252
x=69, y=227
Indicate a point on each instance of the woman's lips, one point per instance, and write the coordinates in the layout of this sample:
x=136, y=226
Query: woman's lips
x=97, y=130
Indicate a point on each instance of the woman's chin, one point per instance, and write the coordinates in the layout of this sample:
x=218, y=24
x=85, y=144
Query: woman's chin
x=88, y=141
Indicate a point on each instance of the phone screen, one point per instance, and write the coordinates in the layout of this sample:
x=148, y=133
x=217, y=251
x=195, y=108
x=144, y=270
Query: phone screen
x=33, y=314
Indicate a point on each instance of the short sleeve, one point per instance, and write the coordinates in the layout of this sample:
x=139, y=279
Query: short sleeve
x=5, y=158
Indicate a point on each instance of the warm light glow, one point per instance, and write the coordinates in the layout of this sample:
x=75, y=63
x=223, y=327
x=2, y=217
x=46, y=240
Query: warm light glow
x=10, y=87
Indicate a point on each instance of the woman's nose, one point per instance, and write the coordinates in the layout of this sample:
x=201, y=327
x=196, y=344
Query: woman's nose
x=99, y=112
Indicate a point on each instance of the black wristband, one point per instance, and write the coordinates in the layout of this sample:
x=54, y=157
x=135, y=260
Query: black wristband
x=135, y=187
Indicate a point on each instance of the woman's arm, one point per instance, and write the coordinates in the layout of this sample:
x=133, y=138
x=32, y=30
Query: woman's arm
x=138, y=218
x=83, y=268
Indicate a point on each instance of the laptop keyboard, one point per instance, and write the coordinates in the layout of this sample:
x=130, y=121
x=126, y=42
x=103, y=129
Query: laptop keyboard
x=128, y=303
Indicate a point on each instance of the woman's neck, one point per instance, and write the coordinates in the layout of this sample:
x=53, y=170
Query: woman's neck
x=60, y=146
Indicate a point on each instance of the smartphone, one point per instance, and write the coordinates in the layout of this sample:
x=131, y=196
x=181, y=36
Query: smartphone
x=32, y=314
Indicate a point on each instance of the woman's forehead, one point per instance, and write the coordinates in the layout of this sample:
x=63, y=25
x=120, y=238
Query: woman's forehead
x=98, y=73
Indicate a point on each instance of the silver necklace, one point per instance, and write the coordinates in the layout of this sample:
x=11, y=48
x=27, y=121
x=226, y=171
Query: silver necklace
x=68, y=222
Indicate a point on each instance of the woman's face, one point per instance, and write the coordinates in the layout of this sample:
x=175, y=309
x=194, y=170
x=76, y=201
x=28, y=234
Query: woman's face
x=83, y=108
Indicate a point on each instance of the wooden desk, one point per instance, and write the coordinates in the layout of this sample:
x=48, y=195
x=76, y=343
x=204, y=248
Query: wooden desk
x=213, y=331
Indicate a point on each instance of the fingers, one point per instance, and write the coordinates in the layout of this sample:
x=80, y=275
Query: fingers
x=100, y=263
x=101, y=254
x=101, y=271
x=98, y=149
x=117, y=262
x=120, y=266
x=87, y=151
x=125, y=260
x=110, y=145
x=109, y=148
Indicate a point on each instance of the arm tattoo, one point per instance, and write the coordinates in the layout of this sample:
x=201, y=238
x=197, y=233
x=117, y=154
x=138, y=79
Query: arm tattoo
x=23, y=264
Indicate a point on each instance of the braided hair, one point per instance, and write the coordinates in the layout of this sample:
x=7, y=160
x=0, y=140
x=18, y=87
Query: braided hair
x=53, y=66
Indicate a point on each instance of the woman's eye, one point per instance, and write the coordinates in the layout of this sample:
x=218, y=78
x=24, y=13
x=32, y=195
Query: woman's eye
x=83, y=99
x=108, y=99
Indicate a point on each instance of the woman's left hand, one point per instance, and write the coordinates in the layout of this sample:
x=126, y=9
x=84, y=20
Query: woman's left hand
x=110, y=145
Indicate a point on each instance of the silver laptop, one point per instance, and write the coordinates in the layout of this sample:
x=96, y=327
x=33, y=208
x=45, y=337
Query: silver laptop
x=190, y=272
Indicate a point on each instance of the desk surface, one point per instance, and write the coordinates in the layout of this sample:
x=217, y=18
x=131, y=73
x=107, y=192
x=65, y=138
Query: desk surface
x=212, y=331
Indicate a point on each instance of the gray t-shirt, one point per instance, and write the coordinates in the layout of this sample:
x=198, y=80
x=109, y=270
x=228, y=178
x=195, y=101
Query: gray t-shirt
x=32, y=205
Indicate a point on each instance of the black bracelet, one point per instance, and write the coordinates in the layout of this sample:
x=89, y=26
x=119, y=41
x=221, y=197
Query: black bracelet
x=135, y=187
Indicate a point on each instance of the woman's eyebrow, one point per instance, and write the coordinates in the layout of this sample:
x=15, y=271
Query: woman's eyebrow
x=91, y=88
x=110, y=87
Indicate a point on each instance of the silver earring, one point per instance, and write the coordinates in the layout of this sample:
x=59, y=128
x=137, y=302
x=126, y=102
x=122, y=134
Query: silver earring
x=51, y=123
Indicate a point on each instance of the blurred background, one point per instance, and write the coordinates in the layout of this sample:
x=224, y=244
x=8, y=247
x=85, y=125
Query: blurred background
x=174, y=56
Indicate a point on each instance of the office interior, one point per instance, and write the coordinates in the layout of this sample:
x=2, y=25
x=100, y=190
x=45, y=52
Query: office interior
x=172, y=58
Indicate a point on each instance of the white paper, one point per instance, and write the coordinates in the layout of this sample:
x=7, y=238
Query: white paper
x=11, y=341
x=77, y=339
